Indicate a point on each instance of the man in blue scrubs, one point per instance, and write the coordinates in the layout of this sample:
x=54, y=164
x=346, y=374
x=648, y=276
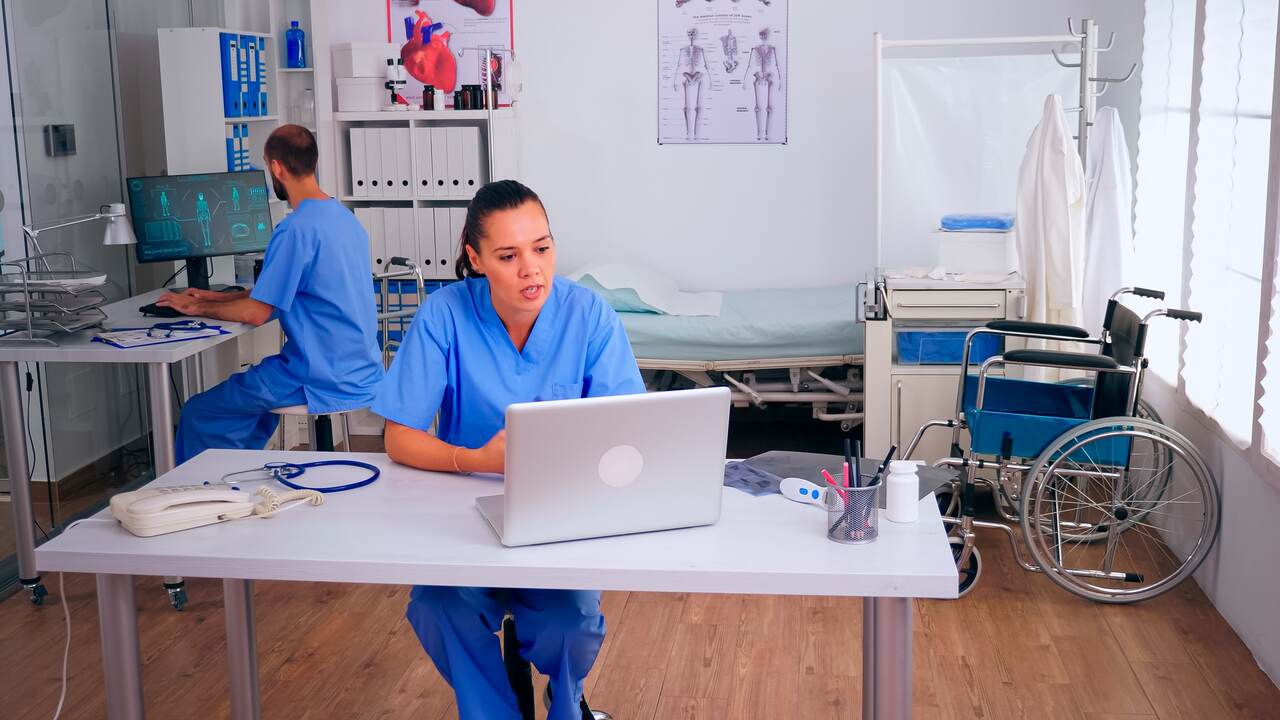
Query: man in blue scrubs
x=316, y=280
x=510, y=332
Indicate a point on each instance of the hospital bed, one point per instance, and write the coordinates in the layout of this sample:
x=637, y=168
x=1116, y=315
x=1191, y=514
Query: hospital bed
x=791, y=346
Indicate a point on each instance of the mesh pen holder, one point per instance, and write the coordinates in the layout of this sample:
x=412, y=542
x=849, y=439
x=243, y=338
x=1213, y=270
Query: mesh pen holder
x=852, y=516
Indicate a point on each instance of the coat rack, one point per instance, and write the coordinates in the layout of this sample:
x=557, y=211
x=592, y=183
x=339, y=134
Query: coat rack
x=1092, y=85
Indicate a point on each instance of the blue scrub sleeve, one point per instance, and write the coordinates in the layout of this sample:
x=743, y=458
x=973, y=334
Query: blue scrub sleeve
x=288, y=262
x=611, y=365
x=414, y=387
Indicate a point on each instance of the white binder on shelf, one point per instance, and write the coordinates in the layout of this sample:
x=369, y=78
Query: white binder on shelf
x=373, y=161
x=404, y=162
x=444, y=244
x=423, y=184
x=440, y=161
x=455, y=149
x=359, y=181
x=457, y=217
x=371, y=219
x=471, y=161
x=391, y=236
x=389, y=163
x=408, y=246
x=426, y=255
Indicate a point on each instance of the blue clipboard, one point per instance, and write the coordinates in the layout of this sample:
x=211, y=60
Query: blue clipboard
x=178, y=336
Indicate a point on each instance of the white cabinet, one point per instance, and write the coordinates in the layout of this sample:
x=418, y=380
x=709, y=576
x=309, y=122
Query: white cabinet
x=916, y=399
x=912, y=369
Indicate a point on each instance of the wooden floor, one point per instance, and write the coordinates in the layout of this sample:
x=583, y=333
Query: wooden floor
x=1017, y=647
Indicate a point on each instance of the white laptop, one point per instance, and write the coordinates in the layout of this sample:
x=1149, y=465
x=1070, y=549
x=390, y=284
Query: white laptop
x=610, y=466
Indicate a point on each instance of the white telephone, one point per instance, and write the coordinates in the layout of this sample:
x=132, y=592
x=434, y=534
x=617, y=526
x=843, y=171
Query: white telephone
x=156, y=511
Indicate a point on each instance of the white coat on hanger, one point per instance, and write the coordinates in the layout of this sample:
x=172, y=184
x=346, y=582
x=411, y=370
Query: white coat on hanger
x=1108, y=234
x=1049, y=230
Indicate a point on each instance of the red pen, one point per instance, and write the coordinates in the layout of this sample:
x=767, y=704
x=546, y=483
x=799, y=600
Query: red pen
x=846, y=474
x=832, y=481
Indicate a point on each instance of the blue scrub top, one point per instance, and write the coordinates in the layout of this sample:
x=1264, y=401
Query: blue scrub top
x=458, y=359
x=317, y=276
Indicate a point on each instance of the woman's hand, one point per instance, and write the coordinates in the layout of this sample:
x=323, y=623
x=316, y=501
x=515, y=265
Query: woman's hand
x=492, y=458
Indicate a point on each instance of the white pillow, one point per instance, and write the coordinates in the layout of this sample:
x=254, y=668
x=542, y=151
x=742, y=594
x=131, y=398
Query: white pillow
x=656, y=291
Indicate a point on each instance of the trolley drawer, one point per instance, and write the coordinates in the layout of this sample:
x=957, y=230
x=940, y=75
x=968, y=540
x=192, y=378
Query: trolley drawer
x=948, y=304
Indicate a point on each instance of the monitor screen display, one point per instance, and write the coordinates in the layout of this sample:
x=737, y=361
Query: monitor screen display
x=192, y=216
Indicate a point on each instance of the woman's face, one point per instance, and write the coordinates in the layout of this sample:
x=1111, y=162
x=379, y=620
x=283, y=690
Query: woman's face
x=518, y=255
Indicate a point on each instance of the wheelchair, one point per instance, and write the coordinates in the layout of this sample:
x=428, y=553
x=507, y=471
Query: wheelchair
x=1112, y=504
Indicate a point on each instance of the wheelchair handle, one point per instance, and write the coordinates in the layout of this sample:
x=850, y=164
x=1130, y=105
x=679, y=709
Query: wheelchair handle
x=1144, y=292
x=1188, y=315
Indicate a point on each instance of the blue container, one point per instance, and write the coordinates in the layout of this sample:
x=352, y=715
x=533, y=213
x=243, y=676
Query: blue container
x=944, y=347
x=295, y=42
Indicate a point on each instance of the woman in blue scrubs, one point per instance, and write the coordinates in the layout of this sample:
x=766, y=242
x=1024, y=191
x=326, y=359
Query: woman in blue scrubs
x=509, y=332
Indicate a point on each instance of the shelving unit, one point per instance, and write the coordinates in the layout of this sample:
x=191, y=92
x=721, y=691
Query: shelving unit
x=497, y=159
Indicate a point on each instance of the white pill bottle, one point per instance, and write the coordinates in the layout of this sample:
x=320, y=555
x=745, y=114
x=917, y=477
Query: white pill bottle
x=902, y=488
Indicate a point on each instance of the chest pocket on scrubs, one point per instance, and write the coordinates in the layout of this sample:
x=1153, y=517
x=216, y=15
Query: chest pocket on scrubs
x=566, y=391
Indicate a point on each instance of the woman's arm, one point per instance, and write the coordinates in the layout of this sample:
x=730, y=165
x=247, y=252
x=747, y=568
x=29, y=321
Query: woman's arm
x=422, y=450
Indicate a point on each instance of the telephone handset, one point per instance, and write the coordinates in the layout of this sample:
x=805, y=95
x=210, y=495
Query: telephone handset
x=156, y=511
x=164, y=510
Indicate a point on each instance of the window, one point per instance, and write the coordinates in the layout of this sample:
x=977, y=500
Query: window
x=1220, y=262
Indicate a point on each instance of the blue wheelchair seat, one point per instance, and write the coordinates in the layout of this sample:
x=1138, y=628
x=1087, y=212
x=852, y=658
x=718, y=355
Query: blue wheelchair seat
x=1022, y=417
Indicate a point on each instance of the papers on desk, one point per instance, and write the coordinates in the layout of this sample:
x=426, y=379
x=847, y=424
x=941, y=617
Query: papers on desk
x=126, y=338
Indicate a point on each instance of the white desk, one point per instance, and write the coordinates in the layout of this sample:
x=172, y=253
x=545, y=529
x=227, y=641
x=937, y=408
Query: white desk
x=413, y=527
x=80, y=348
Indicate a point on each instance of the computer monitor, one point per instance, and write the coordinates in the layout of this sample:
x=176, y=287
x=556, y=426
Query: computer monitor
x=193, y=217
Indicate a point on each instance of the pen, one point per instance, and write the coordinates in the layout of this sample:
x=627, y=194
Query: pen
x=887, y=458
x=845, y=474
x=857, y=463
x=848, y=465
x=832, y=482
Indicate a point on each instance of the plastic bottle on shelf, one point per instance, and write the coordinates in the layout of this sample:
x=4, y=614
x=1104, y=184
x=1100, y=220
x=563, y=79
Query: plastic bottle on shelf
x=295, y=45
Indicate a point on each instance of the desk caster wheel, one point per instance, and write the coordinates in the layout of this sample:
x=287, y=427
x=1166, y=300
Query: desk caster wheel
x=177, y=595
x=38, y=594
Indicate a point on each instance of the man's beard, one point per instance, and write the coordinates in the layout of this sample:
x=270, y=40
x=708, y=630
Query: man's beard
x=281, y=194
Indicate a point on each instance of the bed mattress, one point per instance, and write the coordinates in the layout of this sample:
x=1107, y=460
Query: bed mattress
x=755, y=324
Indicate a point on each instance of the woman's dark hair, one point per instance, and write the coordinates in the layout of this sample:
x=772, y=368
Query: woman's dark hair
x=494, y=197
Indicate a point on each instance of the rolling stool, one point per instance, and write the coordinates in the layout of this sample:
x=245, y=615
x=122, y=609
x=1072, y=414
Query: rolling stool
x=319, y=427
x=520, y=675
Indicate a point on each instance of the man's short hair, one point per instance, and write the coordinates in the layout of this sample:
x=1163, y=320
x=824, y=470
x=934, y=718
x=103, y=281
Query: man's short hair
x=294, y=147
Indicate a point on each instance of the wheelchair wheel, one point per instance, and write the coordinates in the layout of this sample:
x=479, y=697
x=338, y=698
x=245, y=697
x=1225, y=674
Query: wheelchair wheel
x=972, y=569
x=1143, y=453
x=1090, y=519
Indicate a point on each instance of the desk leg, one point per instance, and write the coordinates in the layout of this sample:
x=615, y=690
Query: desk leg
x=888, y=642
x=242, y=653
x=121, y=657
x=15, y=450
x=162, y=441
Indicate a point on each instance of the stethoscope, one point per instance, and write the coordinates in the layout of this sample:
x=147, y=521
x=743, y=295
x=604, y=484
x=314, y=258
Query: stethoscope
x=285, y=472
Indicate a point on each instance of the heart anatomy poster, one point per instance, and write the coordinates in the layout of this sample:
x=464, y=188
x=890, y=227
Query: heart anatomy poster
x=443, y=43
x=722, y=71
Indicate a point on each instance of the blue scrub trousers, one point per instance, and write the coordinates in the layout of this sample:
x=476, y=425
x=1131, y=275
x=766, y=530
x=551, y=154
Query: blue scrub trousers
x=234, y=414
x=560, y=632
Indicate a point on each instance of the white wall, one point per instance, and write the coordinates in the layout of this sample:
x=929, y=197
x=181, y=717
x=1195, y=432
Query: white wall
x=1241, y=575
x=731, y=216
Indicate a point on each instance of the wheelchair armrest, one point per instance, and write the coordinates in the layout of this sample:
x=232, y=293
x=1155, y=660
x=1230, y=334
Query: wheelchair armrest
x=1056, y=358
x=1039, y=328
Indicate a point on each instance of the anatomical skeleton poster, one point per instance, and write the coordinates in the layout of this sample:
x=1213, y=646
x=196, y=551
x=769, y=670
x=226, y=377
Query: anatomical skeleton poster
x=722, y=71
x=443, y=43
